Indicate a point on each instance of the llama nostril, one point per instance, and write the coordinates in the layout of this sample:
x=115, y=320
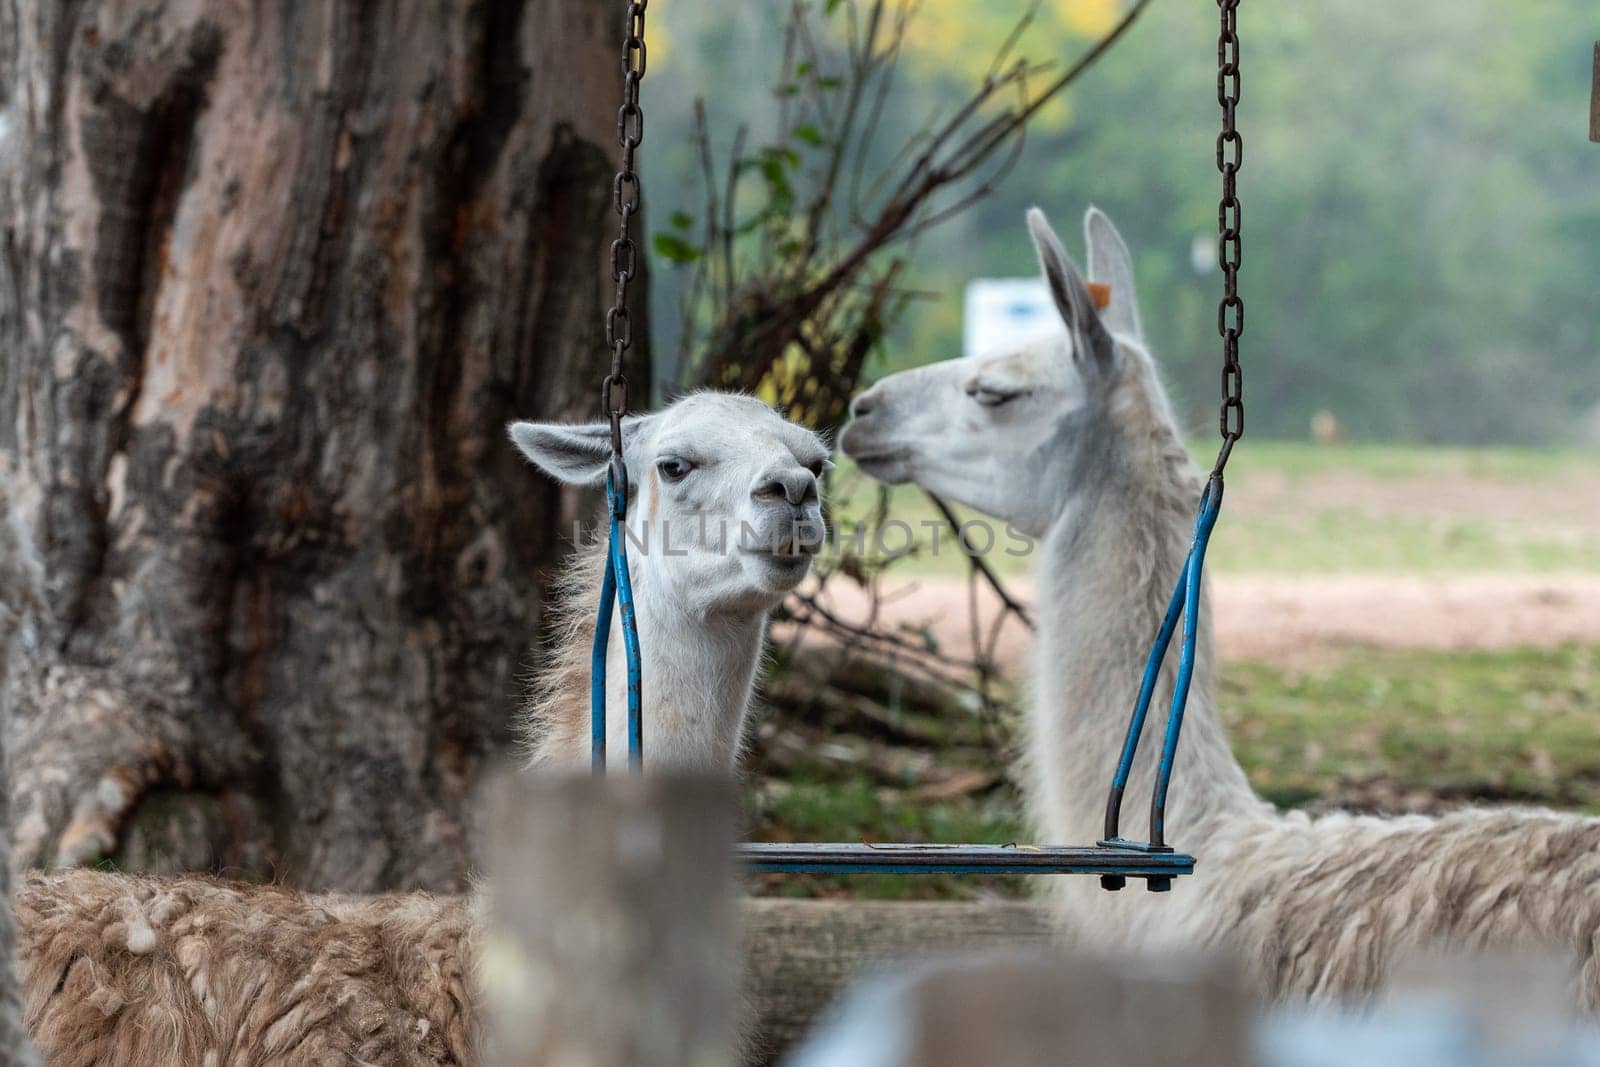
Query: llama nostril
x=792, y=487
x=862, y=405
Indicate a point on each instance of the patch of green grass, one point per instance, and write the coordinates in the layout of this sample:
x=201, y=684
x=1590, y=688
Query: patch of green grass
x=1298, y=459
x=1516, y=724
x=1344, y=540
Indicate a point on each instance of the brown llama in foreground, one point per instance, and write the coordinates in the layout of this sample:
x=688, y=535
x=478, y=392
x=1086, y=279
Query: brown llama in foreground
x=126, y=971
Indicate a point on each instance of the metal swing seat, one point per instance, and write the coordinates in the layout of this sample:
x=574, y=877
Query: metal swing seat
x=1114, y=858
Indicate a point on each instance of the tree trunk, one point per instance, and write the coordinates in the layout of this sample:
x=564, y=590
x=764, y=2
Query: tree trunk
x=273, y=280
x=19, y=593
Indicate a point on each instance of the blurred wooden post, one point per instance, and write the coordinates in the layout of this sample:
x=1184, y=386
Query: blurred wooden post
x=1594, y=98
x=608, y=938
x=1025, y=1010
x=799, y=955
x=1144, y=1013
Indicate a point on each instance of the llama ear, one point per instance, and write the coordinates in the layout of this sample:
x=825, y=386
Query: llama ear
x=1090, y=341
x=575, y=455
x=1112, y=265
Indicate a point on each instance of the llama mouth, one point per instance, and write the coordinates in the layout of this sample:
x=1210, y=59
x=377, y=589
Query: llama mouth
x=879, y=459
x=786, y=556
x=785, y=565
x=868, y=444
x=883, y=466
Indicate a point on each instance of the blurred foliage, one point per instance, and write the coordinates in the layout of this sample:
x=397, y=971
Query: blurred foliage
x=1421, y=205
x=952, y=40
x=791, y=263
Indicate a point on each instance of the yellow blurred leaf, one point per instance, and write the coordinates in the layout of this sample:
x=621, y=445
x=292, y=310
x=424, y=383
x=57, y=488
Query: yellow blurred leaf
x=1090, y=18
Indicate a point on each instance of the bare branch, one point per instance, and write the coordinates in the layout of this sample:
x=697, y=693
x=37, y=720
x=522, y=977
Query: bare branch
x=811, y=272
x=980, y=566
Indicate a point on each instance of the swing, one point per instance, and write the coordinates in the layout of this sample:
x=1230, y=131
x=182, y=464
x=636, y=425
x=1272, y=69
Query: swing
x=1114, y=858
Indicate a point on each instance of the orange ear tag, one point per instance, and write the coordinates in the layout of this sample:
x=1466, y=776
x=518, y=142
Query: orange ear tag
x=1101, y=293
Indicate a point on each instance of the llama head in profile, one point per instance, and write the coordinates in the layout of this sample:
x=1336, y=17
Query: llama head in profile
x=1017, y=434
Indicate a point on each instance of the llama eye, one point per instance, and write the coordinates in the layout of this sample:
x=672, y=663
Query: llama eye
x=674, y=469
x=990, y=397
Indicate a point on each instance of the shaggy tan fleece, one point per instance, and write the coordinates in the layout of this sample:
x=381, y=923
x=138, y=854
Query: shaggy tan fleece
x=193, y=971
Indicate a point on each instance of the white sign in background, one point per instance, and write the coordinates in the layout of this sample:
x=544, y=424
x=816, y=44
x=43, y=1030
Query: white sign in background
x=1002, y=314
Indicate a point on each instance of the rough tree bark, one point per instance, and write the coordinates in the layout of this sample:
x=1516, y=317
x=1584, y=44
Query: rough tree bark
x=273, y=277
x=20, y=583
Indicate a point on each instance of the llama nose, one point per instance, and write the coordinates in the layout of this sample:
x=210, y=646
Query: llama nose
x=796, y=485
x=863, y=404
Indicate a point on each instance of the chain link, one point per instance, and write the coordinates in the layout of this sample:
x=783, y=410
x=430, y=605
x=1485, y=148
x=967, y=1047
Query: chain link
x=1230, y=249
x=625, y=199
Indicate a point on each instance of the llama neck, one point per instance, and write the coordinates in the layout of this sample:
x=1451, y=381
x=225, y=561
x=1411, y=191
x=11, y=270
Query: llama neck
x=699, y=671
x=698, y=675
x=1106, y=573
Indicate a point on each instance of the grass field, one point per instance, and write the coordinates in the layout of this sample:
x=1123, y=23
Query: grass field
x=1307, y=509
x=1398, y=729
x=1366, y=728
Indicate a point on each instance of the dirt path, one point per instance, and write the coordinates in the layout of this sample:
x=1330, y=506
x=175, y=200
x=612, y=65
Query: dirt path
x=1291, y=619
x=1271, y=618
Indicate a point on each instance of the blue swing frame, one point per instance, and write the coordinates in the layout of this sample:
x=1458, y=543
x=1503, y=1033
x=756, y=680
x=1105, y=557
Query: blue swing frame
x=616, y=586
x=1114, y=858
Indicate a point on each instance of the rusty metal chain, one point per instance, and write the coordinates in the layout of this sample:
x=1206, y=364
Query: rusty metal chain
x=624, y=253
x=1230, y=155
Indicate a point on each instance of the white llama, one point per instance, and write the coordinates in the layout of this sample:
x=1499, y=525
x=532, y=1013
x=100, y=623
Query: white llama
x=149, y=972
x=1073, y=441
x=723, y=523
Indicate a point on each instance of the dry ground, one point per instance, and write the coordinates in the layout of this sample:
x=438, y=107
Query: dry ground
x=1287, y=619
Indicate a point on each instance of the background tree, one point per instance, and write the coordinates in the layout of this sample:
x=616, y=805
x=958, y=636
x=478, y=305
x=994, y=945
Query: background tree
x=272, y=281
